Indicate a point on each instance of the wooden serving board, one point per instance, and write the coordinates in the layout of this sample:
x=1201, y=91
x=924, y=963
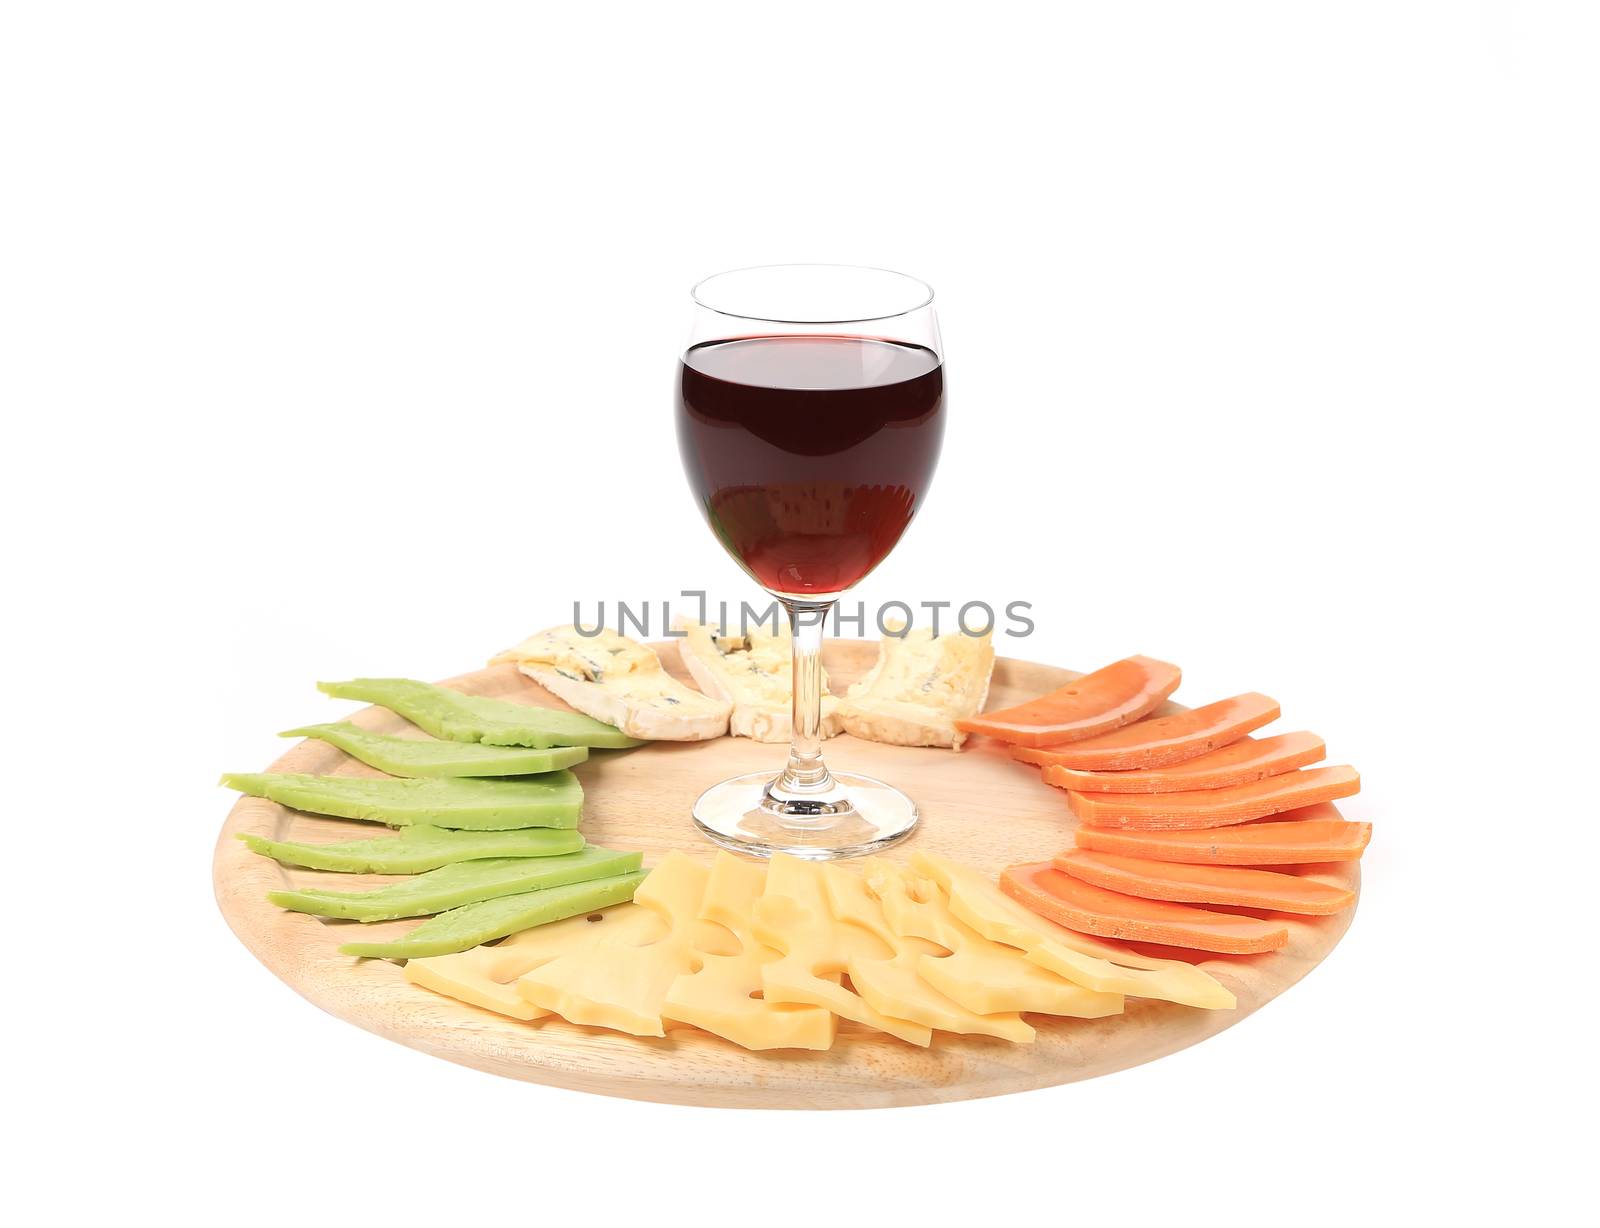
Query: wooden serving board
x=978, y=806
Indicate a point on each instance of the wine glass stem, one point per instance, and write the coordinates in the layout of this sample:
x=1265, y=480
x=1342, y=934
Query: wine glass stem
x=805, y=772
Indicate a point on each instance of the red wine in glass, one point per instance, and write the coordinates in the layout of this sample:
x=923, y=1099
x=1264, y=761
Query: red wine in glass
x=810, y=454
x=810, y=411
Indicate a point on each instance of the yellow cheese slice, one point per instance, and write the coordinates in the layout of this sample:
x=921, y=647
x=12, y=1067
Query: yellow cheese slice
x=621, y=985
x=983, y=976
x=792, y=917
x=483, y=976
x=724, y=994
x=894, y=986
x=979, y=902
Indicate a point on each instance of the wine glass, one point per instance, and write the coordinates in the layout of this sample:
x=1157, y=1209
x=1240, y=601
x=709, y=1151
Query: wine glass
x=810, y=411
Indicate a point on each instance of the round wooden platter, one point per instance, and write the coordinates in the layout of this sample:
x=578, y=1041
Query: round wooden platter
x=978, y=806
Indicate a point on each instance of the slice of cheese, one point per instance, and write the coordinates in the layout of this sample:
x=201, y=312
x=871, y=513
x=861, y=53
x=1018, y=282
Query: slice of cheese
x=978, y=901
x=752, y=672
x=484, y=976
x=723, y=995
x=619, y=681
x=919, y=688
x=620, y=985
x=983, y=976
x=793, y=917
x=894, y=986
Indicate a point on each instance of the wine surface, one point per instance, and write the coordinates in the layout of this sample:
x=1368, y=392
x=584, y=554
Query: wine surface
x=810, y=454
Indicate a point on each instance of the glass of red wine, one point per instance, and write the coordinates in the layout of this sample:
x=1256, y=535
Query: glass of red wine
x=810, y=409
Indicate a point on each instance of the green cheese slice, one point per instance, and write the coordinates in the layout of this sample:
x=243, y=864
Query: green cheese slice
x=473, y=718
x=464, y=883
x=417, y=849
x=417, y=757
x=460, y=929
x=553, y=799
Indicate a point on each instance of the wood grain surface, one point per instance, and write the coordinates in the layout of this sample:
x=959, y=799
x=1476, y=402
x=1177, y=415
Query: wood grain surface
x=978, y=806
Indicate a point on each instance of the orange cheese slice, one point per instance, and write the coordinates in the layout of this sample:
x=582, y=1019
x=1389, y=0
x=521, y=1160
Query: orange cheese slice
x=976, y=899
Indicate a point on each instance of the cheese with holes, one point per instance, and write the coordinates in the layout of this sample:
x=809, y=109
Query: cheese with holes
x=919, y=688
x=620, y=985
x=723, y=995
x=894, y=986
x=983, y=976
x=752, y=672
x=618, y=681
x=978, y=901
x=773, y=956
x=485, y=976
x=793, y=917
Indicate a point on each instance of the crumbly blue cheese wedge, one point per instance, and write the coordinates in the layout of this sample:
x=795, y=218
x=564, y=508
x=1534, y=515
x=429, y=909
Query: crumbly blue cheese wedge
x=618, y=681
x=919, y=688
x=752, y=672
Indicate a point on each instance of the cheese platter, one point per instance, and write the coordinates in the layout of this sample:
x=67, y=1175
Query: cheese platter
x=985, y=813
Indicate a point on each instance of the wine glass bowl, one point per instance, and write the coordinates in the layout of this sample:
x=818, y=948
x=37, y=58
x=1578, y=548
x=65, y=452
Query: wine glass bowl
x=810, y=413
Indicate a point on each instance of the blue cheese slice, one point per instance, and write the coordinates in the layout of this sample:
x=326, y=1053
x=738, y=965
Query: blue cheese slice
x=919, y=688
x=619, y=681
x=752, y=672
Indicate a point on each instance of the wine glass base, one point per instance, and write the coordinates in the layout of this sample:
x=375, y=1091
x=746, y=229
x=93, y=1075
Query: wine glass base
x=739, y=815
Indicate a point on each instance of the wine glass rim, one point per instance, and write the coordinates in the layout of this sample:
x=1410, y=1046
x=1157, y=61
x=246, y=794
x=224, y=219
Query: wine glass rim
x=700, y=301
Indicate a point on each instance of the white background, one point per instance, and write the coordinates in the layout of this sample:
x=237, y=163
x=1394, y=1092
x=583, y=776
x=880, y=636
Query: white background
x=337, y=339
